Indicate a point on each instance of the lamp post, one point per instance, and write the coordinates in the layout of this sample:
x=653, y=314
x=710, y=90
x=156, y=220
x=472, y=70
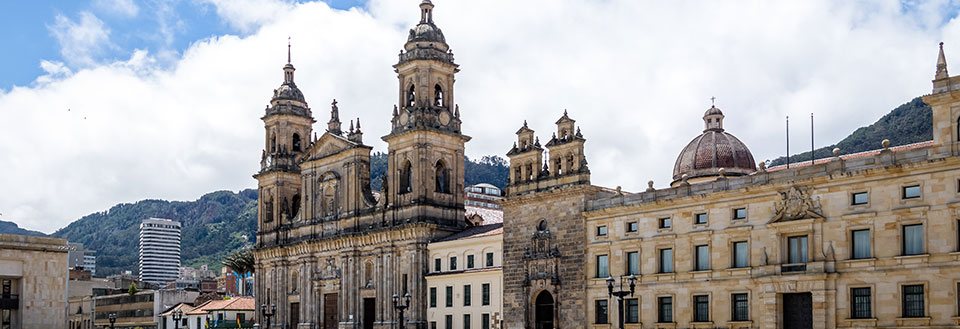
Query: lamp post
x=268, y=313
x=621, y=293
x=113, y=319
x=177, y=316
x=400, y=307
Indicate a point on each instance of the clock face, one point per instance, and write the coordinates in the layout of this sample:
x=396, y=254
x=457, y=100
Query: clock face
x=444, y=118
x=403, y=118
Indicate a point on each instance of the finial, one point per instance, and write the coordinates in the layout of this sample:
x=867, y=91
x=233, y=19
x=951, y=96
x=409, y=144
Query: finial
x=885, y=143
x=334, y=103
x=358, y=124
x=941, y=65
x=288, y=49
x=836, y=152
x=525, y=123
x=395, y=110
x=564, y=112
x=713, y=101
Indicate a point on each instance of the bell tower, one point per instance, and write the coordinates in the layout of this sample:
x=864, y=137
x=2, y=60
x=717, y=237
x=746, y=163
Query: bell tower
x=287, y=127
x=425, y=145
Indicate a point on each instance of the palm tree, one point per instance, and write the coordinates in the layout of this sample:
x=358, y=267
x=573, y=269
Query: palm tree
x=242, y=264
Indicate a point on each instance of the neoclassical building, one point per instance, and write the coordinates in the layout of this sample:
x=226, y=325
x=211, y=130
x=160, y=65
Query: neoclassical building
x=857, y=240
x=330, y=252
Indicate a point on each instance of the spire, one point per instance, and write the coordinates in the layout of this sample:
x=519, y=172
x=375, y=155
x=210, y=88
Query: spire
x=288, y=69
x=941, y=65
x=288, y=50
x=333, y=126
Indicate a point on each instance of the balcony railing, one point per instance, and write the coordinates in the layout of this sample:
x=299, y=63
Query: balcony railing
x=9, y=302
x=801, y=267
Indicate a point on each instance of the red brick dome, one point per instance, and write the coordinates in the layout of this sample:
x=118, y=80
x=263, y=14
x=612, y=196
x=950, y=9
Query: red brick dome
x=712, y=150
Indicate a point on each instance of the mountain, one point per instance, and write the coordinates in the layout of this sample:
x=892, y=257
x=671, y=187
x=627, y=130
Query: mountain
x=908, y=123
x=213, y=226
x=12, y=228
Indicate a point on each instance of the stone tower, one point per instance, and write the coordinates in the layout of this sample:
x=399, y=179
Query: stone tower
x=543, y=239
x=287, y=125
x=946, y=109
x=426, y=146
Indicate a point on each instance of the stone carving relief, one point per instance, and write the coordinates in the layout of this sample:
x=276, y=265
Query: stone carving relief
x=329, y=272
x=796, y=203
x=543, y=257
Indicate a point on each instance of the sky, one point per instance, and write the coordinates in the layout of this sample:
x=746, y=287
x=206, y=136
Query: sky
x=111, y=101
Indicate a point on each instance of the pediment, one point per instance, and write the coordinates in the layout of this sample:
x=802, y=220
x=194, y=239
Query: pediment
x=329, y=144
x=796, y=203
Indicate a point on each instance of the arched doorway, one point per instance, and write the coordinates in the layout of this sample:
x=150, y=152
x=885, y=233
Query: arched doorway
x=544, y=311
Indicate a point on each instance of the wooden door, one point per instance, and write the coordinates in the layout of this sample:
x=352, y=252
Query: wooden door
x=331, y=312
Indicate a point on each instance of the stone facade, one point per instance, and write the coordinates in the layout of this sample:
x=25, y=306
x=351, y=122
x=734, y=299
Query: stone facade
x=330, y=252
x=860, y=240
x=33, y=282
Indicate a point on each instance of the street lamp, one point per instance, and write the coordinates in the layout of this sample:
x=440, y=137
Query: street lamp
x=621, y=293
x=113, y=319
x=401, y=306
x=177, y=316
x=268, y=313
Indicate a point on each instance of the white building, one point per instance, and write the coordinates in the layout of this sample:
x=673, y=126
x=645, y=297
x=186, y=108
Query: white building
x=466, y=279
x=226, y=313
x=159, y=251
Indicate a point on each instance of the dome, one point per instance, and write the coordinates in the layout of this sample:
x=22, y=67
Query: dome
x=288, y=91
x=714, y=149
x=426, y=32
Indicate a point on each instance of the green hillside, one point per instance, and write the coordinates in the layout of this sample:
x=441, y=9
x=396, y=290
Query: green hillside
x=12, y=228
x=908, y=123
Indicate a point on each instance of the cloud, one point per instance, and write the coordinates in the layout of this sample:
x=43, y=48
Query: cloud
x=81, y=42
x=247, y=15
x=122, y=8
x=636, y=76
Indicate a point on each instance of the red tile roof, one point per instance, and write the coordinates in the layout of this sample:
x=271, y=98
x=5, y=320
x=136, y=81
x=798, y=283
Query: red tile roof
x=858, y=155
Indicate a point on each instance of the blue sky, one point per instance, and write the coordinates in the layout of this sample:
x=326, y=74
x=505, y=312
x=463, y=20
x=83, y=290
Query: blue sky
x=26, y=28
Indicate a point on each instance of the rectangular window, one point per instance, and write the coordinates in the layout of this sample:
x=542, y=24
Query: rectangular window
x=701, y=308
x=913, y=239
x=469, y=261
x=913, y=301
x=700, y=218
x=485, y=321
x=861, y=244
x=632, y=310
x=489, y=259
x=449, y=296
x=797, y=249
x=466, y=321
x=665, y=309
x=601, y=311
x=665, y=222
x=740, y=213
x=633, y=263
x=859, y=198
x=467, y=296
x=666, y=260
x=741, y=307
x=911, y=192
x=602, y=230
x=433, y=296
x=860, y=307
x=453, y=263
x=633, y=227
x=741, y=254
x=433, y=324
x=702, y=262
x=436, y=265
x=486, y=294
x=448, y=321
x=603, y=269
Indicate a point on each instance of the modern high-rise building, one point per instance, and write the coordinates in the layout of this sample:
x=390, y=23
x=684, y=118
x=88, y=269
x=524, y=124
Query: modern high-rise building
x=159, y=250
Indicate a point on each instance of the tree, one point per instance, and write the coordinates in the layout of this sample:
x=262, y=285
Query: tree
x=133, y=289
x=242, y=264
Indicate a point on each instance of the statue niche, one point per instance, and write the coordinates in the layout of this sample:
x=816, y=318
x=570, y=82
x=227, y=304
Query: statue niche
x=327, y=192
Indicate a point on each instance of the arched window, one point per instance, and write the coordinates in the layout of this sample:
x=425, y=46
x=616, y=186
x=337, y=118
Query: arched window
x=296, y=142
x=368, y=273
x=406, y=178
x=442, y=178
x=559, y=166
x=294, y=280
x=542, y=225
x=438, y=95
x=295, y=207
x=411, y=95
x=273, y=143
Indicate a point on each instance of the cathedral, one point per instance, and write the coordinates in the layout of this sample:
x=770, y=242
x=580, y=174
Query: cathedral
x=330, y=252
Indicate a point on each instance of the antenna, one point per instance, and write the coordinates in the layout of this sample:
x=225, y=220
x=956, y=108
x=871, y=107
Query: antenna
x=788, y=142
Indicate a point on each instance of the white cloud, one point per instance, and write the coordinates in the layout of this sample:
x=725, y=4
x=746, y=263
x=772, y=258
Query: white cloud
x=637, y=76
x=247, y=15
x=81, y=42
x=123, y=8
